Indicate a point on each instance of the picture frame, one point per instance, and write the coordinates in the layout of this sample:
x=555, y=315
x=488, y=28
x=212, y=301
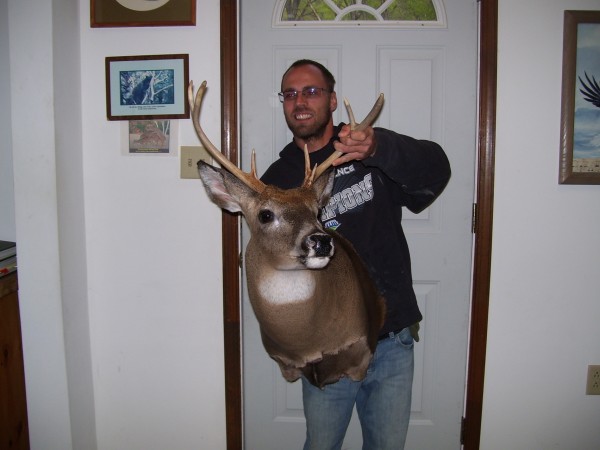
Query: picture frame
x=580, y=106
x=142, y=13
x=153, y=138
x=147, y=87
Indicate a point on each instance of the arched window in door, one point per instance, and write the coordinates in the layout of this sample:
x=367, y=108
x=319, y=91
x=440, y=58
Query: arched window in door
x=364, y=13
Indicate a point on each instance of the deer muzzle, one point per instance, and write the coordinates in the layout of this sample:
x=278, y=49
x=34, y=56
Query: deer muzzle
x=320, y=249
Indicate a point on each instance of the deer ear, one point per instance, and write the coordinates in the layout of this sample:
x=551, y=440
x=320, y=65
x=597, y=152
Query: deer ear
x=222, y=188
x=323, y=186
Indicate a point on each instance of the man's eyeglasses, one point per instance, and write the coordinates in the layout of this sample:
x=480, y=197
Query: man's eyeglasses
x=307, y=92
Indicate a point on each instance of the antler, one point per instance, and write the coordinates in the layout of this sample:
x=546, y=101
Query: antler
x=354, y=127
x=309, y=174
x=250, y=179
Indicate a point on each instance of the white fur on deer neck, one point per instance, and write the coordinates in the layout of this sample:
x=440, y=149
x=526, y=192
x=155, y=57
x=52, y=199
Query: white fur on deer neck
x=287, y=286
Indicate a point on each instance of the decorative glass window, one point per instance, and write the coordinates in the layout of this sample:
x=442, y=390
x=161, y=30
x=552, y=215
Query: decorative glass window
x=365, y=13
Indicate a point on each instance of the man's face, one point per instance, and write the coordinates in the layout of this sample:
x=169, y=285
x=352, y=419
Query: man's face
x=308, y=117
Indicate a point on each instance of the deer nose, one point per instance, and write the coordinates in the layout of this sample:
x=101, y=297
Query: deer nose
x=321, y=244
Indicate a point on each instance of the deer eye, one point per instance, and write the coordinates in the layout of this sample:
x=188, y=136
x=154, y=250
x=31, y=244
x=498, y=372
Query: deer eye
x=266, y=216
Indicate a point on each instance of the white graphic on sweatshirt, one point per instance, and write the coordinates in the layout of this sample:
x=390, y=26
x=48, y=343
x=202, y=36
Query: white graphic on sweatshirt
x=348, y=199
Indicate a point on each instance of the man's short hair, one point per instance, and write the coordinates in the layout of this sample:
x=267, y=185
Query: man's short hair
x=329, y=79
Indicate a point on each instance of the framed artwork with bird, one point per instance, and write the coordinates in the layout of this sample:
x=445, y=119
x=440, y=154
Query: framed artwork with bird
x=580, y=113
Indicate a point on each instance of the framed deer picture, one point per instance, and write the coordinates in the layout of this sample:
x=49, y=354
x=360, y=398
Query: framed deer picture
x=142, y=13
x=147, y=87
x=580, y=112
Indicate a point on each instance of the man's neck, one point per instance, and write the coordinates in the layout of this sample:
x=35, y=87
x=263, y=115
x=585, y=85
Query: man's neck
x=316, y=143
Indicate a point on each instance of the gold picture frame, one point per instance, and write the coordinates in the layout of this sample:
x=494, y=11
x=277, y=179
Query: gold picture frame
x=141, y=13
x=580, y=108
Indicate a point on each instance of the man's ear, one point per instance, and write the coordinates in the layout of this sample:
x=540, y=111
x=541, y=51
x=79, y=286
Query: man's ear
x=323, y=187
x=333, y=102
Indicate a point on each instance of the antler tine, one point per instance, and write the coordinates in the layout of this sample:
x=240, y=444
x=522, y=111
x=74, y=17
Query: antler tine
x=309, y=174
x=253, y=164
x=326, y=164
x=375, y=110
x=350, y=114
x=249, y=179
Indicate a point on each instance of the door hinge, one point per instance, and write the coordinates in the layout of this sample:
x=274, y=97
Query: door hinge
x=474, y=219
x=463, y=426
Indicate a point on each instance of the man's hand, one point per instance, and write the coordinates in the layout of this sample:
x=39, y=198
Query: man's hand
x=355, y=145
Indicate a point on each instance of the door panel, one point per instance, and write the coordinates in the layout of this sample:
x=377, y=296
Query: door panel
x=429, y=81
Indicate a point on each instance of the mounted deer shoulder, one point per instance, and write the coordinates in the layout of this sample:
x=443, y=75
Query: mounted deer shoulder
x=318, y=310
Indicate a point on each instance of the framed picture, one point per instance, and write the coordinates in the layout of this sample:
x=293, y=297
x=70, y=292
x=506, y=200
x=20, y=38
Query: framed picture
x=147, y=87
x=580, y=113
x=142, y=13
x=149, y=137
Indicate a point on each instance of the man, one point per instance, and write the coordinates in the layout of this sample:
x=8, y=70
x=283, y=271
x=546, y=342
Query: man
x=378, y=173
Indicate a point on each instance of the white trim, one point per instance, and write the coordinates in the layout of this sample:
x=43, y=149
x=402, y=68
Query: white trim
x=438, y=5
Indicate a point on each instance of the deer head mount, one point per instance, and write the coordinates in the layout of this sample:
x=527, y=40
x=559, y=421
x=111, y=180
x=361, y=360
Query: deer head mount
x=318, y=310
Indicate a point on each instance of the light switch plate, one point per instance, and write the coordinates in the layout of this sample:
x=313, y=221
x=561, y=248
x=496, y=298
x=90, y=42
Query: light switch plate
x=190, y=155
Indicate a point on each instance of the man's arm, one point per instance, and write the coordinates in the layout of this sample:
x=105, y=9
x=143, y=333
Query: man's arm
x=419, y=167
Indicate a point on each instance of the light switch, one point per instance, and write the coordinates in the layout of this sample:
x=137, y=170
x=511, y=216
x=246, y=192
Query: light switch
x=190, y=155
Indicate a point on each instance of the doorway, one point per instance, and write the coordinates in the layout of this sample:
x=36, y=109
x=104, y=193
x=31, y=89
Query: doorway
x=484, y=201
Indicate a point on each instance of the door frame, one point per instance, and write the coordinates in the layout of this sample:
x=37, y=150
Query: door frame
x=482, y=225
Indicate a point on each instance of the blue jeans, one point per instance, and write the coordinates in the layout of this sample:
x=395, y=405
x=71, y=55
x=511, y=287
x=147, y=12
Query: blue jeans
x=382, y=401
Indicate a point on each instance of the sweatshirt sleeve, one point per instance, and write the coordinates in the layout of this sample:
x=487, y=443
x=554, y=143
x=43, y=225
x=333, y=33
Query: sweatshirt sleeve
x=419, y=168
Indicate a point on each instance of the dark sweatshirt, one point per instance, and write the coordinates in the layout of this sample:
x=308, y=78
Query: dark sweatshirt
x=366, y=208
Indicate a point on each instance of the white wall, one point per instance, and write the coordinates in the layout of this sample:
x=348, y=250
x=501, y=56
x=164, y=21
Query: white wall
x=119, y=259
x=36, y=217
x=154, y=259
x=545, y=304
x=7, y=192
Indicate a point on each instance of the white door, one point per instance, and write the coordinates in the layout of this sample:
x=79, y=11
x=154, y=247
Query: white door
x=428, y=76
